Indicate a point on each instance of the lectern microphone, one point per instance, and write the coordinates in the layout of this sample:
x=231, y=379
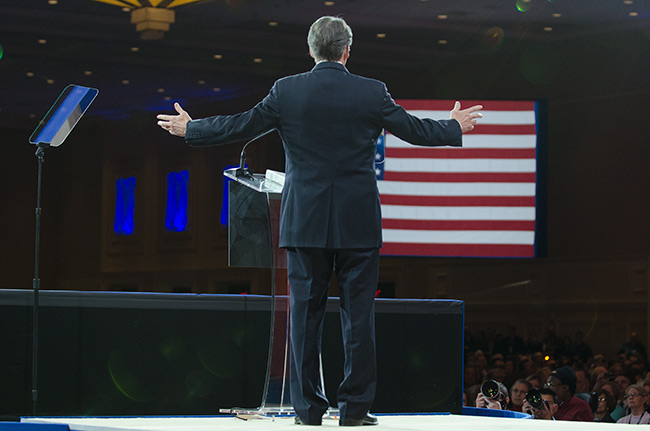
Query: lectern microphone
x=242, y=171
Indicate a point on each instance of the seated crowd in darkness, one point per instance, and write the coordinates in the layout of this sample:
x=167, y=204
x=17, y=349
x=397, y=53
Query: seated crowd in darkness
x=574, y=383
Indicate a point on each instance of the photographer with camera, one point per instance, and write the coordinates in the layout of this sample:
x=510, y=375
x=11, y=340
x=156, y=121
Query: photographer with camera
x=540, y=404
x=493, y=395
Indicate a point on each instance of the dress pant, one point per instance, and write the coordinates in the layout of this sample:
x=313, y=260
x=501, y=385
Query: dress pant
x=309, y=272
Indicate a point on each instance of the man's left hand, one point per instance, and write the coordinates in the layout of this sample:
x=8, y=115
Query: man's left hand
x=175, y=124
x=466, y=117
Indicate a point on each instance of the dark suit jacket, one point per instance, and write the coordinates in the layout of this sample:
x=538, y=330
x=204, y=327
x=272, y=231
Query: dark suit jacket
x=329, y=120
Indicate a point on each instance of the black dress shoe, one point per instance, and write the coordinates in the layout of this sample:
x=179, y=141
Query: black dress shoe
x=299, y=421
x=367, y=420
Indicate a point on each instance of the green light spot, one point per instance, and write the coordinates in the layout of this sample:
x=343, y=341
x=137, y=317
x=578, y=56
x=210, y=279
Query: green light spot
x=125, y=380
x=524, y=5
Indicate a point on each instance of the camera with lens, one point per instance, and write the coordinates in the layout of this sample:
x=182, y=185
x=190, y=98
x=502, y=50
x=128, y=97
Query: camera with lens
x=534, y=398
x=490, y=389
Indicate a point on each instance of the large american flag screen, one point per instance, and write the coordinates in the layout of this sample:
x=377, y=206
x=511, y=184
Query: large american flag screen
x=474, y=201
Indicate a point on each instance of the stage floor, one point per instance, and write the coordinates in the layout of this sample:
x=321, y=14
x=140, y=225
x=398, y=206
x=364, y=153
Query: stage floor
x=437, y=422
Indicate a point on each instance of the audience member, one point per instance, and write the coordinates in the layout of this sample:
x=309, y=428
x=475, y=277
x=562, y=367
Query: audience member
x=548, y=363
x=472, y=375
x=611, y=388
x=622, y=382
x=525, y=367
x=583, y=385
x=636, y=397
x=547, y=410
x=472, y=393
x=632, y=346
x=606, y=405
x=597, y=374
x=533, y=343
x=536, y=381
x=570, y=408
x=551, y=342
x=511, y=344
x=497, y=402
x=579, y=349
x=518, y=393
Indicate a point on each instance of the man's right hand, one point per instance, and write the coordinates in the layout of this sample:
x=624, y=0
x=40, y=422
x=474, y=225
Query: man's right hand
x=175, y=124
x=487, y=403
x=542, y=413
x=467, y=117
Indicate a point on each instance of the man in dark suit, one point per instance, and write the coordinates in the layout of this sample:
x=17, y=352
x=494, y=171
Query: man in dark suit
x=329, y=121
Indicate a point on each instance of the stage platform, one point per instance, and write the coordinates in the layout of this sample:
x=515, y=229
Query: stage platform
x=414, y=422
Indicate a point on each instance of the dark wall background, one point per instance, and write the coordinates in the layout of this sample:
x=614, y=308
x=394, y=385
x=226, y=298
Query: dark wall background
x=596, y=89
x=597, y=92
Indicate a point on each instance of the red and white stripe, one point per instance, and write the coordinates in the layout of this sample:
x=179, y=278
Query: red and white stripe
x=478, y=200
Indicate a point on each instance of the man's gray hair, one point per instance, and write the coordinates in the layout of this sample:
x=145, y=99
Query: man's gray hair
x=328, y=37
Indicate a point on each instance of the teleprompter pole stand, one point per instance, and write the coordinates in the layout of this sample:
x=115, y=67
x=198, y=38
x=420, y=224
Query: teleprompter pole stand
x=40, y=154
x=68, y=108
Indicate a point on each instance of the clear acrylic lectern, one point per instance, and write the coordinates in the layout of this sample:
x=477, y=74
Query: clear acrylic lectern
x=253, y=236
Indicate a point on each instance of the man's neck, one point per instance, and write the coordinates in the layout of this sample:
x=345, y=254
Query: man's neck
x=329, y=61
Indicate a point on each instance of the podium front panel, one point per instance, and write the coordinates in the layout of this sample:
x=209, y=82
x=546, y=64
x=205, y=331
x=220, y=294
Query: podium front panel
x=249, y=228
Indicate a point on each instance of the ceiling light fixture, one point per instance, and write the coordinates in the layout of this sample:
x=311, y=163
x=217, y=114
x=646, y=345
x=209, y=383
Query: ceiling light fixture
x=151, y=17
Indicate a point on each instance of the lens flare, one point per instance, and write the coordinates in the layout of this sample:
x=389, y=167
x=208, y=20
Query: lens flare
x=524, y=5
x=492, y=38
x=2, y=51
x=125, y=379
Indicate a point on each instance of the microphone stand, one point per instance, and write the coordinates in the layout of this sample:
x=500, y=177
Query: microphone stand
x=242, y=171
